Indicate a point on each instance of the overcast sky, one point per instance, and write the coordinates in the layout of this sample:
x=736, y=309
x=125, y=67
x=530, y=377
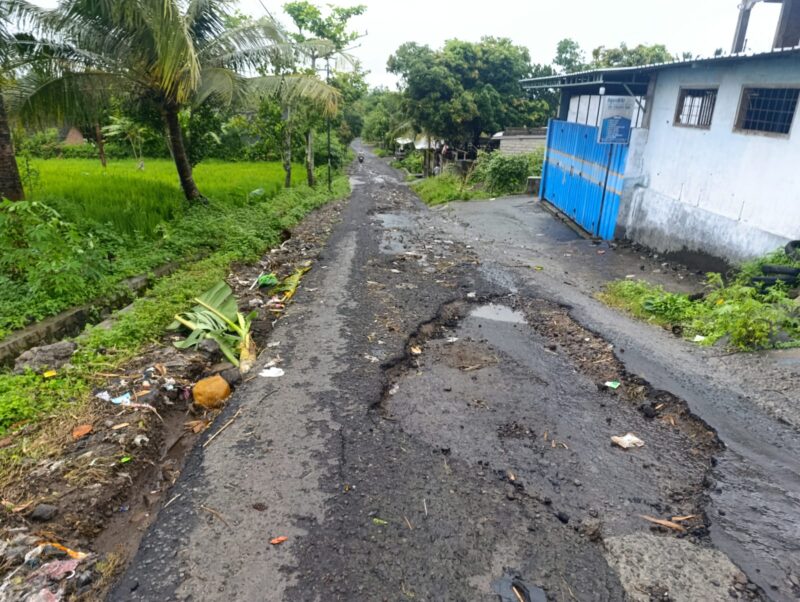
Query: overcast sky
x=696, y=26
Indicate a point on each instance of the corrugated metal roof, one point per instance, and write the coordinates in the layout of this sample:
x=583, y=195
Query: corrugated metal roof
x=607, y=74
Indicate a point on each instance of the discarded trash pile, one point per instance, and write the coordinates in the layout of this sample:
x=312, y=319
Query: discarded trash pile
x=165, y=398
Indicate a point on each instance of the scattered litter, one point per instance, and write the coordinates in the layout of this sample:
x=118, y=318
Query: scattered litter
x=44, y=595
x=628, y=441
x=276, y=304
x=121, y=425
x=538, y=268
x=273, y=345
x=416, y=350
x=125, y=399
x=371, y=359
x=683, y=519
x=395, y=271
x=125, y=460
x=613, y=384
x=630, y=277
x=380, y=522
x=140, y=440
x=272, y=372
x=452, y=340
x=699, y=338
x=79, y=432
x=50, y=374
x=471, y=295
x=601, y=252
x=267, y=280
x=56, y=570
x=279, y=540
x=663, y=523
x=395, y=388
x=71, y=553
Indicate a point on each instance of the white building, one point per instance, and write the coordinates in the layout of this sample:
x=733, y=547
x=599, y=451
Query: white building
x=713, y=162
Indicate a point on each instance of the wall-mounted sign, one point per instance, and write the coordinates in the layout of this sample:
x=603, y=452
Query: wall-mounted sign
x=616, y=118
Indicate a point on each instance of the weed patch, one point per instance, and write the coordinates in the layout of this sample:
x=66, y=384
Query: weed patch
x=446, y=188
x=741, y=312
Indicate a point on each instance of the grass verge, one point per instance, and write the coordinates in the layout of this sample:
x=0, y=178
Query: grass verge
x=28, y=397
x=739, y=312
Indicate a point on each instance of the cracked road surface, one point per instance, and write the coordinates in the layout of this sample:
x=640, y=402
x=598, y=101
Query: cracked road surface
x=442, y=432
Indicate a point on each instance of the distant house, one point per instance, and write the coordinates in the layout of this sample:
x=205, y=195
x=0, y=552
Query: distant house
x=712, y=164
x=517, y=141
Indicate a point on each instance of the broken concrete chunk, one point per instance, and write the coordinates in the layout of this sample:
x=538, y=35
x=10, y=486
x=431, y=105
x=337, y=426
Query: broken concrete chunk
x=47, y=357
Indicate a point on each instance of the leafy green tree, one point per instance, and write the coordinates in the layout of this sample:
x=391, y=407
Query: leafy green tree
x=384, y=117
x=313, y=25
x=569, y=56
x=624, y=56
x=171, y=53
x=435, y=100
x=468, y=89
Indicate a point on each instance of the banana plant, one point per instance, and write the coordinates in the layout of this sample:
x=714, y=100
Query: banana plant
x=216, y=317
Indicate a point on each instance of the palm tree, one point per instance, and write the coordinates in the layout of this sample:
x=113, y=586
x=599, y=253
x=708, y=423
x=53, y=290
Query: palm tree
x=12, y=11
x=171, y=53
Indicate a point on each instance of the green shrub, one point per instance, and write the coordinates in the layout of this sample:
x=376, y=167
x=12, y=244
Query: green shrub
x=750, y=318
x=445, y=188
x=506, y=174
x=413, y=162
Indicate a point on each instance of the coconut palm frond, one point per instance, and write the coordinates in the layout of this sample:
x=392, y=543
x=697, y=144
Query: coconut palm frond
x=293, y=88
x=221, y=84
x=42, y=100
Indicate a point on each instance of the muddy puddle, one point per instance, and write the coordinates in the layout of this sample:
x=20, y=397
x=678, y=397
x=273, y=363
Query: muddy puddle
x=498, y=313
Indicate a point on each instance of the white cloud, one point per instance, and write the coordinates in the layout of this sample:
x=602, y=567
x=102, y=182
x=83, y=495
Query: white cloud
x=697, y=26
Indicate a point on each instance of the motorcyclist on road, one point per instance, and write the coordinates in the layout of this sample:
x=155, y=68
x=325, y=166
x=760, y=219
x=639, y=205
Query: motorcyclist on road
x=360, y=157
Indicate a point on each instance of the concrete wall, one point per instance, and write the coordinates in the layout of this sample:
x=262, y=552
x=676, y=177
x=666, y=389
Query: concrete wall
x=730, y=194
x=517, y=145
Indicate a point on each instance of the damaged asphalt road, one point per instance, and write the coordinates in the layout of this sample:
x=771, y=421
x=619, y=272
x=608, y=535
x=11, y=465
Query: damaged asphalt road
x=442, y=432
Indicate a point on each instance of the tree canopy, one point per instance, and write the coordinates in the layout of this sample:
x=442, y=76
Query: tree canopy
x=570, y=57
x=467, y=89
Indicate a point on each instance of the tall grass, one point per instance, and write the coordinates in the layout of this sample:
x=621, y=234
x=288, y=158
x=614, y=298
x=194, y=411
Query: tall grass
x=137, y=202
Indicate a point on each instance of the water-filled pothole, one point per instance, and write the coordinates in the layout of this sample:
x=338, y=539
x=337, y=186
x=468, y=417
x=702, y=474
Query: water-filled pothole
x=498, y=313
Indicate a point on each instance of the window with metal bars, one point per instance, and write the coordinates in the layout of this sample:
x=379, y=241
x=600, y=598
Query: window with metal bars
x=768, y=110
x=696, y=107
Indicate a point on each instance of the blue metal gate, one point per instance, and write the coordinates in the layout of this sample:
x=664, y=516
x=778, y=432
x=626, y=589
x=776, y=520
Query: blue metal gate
x=582, y=177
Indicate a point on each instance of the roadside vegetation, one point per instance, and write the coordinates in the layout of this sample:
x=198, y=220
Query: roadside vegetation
x=242, y=234
x=84, y=228
x=192, y=139
x=492, y=175
x=737, y=312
